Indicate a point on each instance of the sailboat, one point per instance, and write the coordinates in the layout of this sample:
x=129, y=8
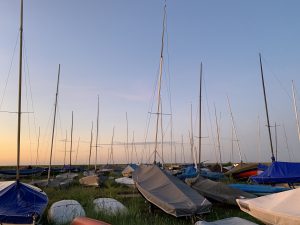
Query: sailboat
x=210, y=189
x=20, y=203
x=160, y=188
x=91, y=178
x=277, y=172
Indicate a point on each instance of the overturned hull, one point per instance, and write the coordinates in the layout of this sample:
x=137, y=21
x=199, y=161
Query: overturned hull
x=168, y=192
x=218, y=191
x=92, y=180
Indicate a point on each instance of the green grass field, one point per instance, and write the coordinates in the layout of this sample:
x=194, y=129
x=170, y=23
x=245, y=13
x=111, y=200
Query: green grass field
x=138, y=208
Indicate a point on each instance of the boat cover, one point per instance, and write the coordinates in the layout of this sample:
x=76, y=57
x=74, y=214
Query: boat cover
x=218, y=191
x=188, y=172
x=227, y=221
x=168, y=192
x=20, y=203
x=279, y=172
x=281, y=208
x=259, y=189
x=212, y=175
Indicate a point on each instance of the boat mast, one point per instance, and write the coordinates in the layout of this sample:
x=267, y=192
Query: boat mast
x=296, y=110
x=71, y=145
x=159, y=84
x=200, y=115
x=97, y=133
x=53, y=126
x=91, y=142
x=20, y=95
x=192, y=140
x=37, y=148
x=234, y=129
x=111, y=155
x=266, y=106
x=218, y=139
x=127, y=150
x=65, y=147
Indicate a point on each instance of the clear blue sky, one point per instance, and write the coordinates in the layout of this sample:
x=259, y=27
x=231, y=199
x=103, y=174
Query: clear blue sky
x=112, y=48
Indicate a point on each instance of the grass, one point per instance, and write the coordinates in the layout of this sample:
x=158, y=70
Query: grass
x=138, y=208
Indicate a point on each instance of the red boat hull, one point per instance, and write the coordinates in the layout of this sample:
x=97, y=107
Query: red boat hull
x=87, y=221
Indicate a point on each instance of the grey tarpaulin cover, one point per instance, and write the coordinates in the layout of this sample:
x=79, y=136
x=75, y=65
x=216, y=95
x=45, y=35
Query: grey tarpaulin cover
x=168, y=192
x=218, y=191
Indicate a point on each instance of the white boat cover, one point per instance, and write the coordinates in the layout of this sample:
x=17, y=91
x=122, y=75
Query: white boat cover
x=125, y=180
x=92, y=180
x=168, y=192
x=109, y=206
x=227, y=221
x=64, y=211
x=281, y=208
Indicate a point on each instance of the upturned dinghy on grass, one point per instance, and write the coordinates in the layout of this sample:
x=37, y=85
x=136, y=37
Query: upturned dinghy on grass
x=87, y=221
x=218, y=191
x=55, y=183
x=168, y=192
x=92, y=180
x=109, y=206
x=64, y=211
x=125, y=181
x=279, y=209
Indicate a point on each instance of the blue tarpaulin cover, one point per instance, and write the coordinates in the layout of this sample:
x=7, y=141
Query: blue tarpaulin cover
x=133, y=166
x=258, y=189
x=20, y=203
x=188, y=172
x=279, y=172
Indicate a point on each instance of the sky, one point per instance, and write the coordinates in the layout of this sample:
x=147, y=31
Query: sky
x=112, y=49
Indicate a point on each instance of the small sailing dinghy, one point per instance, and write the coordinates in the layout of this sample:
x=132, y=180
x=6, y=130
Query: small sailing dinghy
x=218, y=191
x=87, y=221
x=92, y=180
x=168, y=192
x=20, y=203
x=125, y=181
x=27, y=172
x=280, y=208
x=279, y=172
x=258, y=190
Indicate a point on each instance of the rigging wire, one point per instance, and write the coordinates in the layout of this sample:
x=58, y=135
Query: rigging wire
x=9, y=72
